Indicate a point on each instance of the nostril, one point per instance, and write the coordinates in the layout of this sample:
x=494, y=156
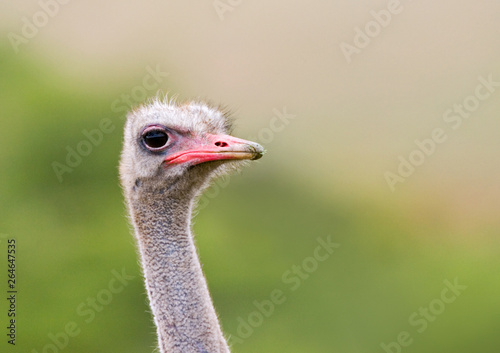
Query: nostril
x=221, y=144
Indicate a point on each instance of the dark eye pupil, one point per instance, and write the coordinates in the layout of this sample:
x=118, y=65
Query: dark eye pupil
x=155, y=139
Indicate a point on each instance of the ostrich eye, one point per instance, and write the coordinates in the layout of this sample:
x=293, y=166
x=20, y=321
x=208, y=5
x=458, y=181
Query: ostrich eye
x=155, y=139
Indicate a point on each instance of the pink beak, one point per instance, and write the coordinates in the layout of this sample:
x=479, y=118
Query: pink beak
x=210, y=147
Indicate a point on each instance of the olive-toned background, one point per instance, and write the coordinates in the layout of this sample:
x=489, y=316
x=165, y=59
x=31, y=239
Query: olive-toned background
x=68, y=74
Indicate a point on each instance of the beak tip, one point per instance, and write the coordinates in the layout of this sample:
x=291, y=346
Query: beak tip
x=257, y=156
x=258, y=150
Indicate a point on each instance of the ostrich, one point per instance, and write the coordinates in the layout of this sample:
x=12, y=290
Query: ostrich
x=170, y=154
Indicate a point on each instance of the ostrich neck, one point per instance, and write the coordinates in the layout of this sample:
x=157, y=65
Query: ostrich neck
x=183, y=311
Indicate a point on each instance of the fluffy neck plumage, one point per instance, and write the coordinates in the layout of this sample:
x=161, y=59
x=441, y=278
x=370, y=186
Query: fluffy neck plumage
x=183, y=311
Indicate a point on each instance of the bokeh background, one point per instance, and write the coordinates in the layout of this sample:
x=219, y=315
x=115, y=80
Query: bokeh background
x=67, y=67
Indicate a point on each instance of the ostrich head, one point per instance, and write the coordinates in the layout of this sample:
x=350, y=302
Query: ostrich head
x=179, y=148
x=170, y=153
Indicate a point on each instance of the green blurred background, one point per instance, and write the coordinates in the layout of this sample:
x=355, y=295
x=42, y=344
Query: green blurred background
x=323, y=176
